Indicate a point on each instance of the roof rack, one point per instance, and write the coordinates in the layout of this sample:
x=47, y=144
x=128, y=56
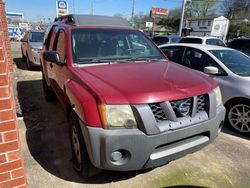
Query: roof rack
x=92, y=20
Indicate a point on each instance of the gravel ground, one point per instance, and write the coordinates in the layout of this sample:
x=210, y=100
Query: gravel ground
x=43, y=129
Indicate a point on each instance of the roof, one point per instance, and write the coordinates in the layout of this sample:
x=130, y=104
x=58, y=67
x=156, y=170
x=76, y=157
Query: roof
x=205, y=18
x=199, y=37
x=93, y=20
x=197, y=46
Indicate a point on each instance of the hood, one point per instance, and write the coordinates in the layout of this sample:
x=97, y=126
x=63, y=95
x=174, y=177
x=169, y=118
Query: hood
x=144, y=82
x=36, y=45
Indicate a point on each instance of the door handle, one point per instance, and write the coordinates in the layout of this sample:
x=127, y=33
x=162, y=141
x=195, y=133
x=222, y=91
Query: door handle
x=51, y=65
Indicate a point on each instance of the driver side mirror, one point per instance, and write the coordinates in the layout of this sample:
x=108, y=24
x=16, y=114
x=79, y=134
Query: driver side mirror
x=53, y=57
x=211, y=70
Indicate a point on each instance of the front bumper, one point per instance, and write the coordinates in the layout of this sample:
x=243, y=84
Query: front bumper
x=140, y=151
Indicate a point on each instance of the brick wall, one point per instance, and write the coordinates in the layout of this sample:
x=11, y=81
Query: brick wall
x=11, y=162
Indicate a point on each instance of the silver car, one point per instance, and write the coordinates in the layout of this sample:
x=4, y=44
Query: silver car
x=31, y=47
x=229, y=67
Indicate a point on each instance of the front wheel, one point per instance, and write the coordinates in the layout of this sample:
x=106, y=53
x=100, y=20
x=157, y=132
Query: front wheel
x=238, y=116
x=80, y=156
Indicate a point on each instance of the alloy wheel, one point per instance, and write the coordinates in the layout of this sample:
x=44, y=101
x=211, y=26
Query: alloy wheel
x=239, y=117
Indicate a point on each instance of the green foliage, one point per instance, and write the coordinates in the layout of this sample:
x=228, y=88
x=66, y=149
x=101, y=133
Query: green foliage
x=201, y=8
x=242, y=29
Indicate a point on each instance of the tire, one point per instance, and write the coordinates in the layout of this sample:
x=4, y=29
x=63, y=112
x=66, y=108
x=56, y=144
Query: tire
x=238, y=116
x=23, y=56
x=28, y=63
x=80, y=158
x=49, y=95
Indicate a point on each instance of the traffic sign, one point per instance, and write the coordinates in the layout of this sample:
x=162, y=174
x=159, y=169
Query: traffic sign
x=61, y=8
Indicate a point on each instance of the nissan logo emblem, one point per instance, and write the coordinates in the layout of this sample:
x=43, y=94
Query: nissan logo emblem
x=183, y=108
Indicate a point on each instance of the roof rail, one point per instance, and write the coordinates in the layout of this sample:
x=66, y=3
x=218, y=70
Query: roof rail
x=92, y=20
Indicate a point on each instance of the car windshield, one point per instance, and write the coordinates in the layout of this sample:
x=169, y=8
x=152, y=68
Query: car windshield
x=111, y=45
x=234, y=60
x=191, y=40
x=36, y=36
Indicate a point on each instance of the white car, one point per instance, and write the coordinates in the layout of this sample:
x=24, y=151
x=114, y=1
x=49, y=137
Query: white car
x=202, y=40
x=229, y=67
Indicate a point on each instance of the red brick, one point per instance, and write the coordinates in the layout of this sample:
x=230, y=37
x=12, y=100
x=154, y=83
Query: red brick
x=10, y=136
x=17, y=173
x=10, y=166
x=7, y=126
x=13, y=155
x=4, y=92
x=4, y=79
x=9, y=146
x=7, y=115
x=5, y=177
x=5, y=104
x=2, y=54
x=13, y=183
x=2, y=158
x=3, y=67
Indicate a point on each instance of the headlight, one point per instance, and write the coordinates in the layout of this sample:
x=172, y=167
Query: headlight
x=117, y=116
x=35, y=50
x=218, y=96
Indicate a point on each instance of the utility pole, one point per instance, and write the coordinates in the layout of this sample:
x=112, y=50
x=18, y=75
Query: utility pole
x=183, y=14
x=91, y=8
x=133, y=9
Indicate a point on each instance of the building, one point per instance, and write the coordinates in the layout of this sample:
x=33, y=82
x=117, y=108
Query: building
x=208, y=26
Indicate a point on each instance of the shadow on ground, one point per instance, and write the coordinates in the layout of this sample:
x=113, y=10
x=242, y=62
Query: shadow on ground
x=20, y=64
x=48, y=139
x=227, y=130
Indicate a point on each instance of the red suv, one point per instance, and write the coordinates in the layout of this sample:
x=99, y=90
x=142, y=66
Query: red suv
x=129, y=107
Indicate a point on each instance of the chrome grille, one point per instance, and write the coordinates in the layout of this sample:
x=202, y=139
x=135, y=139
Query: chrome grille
x=158, y=112
x=201, y=103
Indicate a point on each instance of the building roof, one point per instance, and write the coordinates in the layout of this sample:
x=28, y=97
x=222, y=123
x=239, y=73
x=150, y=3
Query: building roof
x=204, y=18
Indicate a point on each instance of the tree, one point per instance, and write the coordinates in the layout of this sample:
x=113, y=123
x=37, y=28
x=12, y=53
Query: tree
x=236, y=9
x=201, y=8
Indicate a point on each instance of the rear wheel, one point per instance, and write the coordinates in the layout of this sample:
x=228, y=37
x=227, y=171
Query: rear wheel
x=238, y=116
x=49, y=95
x=28, y=63
x=80, y=156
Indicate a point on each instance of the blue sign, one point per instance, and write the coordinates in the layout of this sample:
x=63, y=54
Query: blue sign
x=62, y=5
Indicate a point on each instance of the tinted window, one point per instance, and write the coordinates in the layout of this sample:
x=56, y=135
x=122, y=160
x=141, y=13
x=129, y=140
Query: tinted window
x=216, y=42
x=99, y=45
x=191, y=40
x=60, y=48
x=160, y=40
x=236, y=44
x=36, y=36
x=175, y=39
x=198, y=60
x=174, y=53
x=234, y=60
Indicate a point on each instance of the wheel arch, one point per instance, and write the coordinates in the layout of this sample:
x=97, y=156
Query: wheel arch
x=236, y=99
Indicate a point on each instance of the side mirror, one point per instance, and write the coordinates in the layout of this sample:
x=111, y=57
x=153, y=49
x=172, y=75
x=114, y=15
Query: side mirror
x=53, y=57
x=211, y=70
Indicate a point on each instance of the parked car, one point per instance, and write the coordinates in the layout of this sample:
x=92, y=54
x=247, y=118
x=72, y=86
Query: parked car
x=159, y=40
x=241, y=44
x=230, y=68
x=129, y=108
x=31, y=47
x=202, y=40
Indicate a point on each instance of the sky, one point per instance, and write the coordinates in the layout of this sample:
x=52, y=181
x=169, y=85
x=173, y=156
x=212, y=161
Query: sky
x=35, y=10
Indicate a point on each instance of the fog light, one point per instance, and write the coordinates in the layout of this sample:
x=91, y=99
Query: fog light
x=116, y=156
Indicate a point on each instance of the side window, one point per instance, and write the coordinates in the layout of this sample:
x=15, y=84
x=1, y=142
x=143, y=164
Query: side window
x=60, y=45
x=174, y=53
x=51, y=39
x=198, y=60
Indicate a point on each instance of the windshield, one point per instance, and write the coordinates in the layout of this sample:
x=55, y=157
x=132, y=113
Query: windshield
x=36, y=36
x=234, y=60
x=102, y=45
